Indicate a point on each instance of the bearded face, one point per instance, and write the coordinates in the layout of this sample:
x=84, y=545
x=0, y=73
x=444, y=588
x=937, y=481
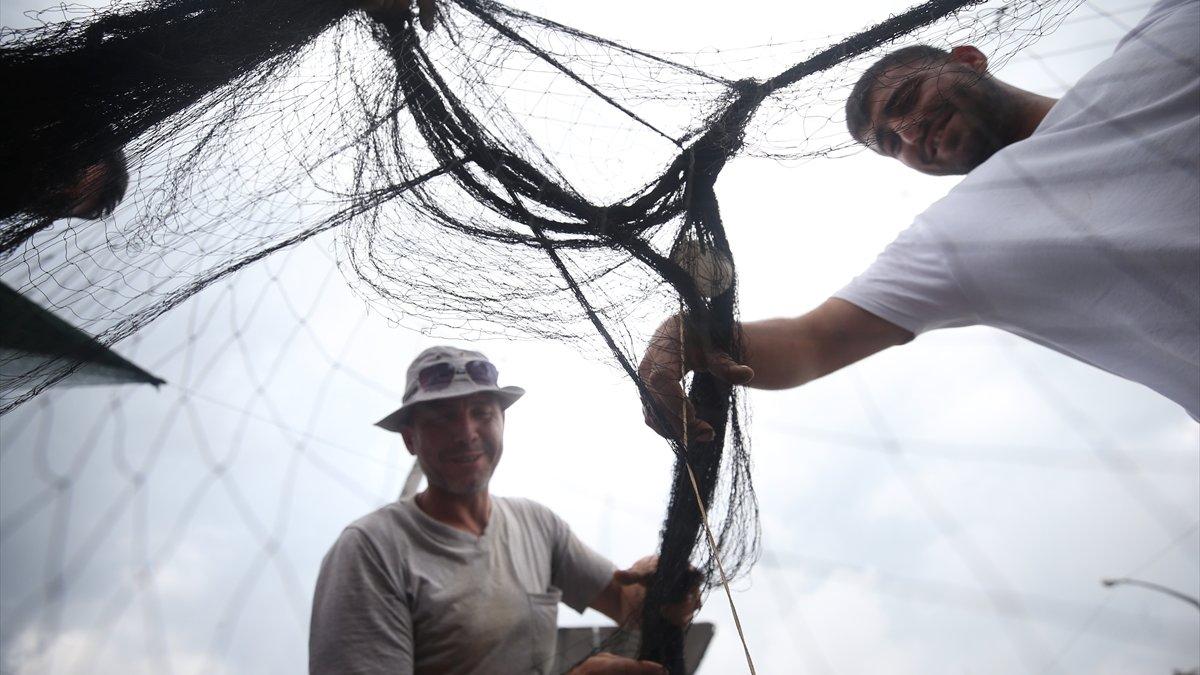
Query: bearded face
x=940, y=117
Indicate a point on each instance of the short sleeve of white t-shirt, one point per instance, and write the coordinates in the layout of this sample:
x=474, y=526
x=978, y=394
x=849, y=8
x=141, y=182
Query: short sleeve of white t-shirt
x=911, y=285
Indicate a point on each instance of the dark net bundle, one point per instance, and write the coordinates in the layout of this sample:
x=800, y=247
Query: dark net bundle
x=85, y=91
x=503, y=174
x=197, y=100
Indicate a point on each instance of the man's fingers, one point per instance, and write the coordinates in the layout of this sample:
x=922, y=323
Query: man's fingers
x=627, y=577
x=428, y=13
x=679, y=615
x=638, y=572
x=669, y=423
x=699, y=431
x=662, y=414
x=670, y=408
x=727, y=370
x=611, y=664
x=682, y=612
x=662, y=371
x=670, y=355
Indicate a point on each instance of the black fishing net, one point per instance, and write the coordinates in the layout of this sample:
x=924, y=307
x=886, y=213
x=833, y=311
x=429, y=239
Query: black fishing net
x=501, y=174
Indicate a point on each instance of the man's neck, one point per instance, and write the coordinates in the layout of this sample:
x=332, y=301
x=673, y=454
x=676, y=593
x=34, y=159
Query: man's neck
x=469, y=513
x=1033, y=109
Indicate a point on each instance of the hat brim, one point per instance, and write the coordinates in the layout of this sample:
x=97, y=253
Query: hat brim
x=506, y=395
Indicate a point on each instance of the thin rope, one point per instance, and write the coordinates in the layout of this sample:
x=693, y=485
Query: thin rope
x=582, y=35
x=712, y=542
x=541, y=54
x=861, y=43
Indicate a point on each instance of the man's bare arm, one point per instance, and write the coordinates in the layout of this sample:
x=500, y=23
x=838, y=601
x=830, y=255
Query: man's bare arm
x=621, y=600
x=610, y=664
x=778, y=354
x=786, y=353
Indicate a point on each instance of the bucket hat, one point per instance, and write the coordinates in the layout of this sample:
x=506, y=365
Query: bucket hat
x=448, y=372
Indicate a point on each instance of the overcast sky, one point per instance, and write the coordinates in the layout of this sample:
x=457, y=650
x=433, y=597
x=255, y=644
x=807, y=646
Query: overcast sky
x=945, y=507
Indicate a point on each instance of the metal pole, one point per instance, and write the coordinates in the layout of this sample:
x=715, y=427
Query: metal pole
x=1194, y=602
x=413, y=481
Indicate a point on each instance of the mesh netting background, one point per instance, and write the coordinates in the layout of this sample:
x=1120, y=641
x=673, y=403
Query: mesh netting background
x=180, y=530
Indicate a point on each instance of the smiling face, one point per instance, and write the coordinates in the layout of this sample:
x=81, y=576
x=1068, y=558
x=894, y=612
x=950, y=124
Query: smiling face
x=458, y=441
x=940, y=116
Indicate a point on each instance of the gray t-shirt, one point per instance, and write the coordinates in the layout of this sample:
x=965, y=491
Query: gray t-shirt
x=402, y=593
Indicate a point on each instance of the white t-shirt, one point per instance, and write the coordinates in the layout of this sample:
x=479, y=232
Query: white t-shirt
x=1085, y=237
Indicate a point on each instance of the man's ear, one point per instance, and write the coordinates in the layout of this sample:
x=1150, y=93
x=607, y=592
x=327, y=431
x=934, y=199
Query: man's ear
x=970, y=57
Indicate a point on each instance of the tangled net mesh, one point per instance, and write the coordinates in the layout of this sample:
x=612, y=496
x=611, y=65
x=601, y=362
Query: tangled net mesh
x=503, y=174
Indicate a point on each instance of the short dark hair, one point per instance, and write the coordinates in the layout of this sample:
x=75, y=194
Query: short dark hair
x=858, y=116
x=62, y=199
x=112, y=191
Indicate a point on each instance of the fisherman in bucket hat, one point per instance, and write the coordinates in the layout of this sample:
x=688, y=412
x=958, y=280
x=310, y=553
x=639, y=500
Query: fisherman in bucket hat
x=454, y=579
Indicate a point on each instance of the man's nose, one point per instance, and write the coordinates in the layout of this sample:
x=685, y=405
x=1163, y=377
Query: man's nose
x=463, y=427
x=909, y=131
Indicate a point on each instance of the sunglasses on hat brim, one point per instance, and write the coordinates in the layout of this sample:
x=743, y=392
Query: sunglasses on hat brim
x=439, y=375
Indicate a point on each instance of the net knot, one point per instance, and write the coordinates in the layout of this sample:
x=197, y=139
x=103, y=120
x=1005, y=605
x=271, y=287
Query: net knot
x=603, y=226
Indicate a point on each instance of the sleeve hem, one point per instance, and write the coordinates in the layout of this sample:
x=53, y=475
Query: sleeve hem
x=601, y=575
x=867, y=304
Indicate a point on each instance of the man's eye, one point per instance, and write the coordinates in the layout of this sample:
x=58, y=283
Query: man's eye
x=908, y=101
x=903, y=101
x=891, y=144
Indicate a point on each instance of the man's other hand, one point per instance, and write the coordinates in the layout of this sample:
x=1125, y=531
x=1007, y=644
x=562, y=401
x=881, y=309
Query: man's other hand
x=662, y=369
x=637, y=577
x=426, y=9
x=611, y=664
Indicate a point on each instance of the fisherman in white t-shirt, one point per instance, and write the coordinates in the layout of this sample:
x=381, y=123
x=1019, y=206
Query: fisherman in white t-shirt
x=1077, y=226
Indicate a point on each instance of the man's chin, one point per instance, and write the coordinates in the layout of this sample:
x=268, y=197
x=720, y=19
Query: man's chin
x=962, y=164
x=470, y=488
x=460, y=486
x=977, y=148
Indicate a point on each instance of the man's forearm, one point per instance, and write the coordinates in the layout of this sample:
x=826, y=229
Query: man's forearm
x=783, y=353
x=789, y=352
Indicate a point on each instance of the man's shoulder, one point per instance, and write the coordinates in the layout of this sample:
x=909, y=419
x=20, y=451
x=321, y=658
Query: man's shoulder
x=525, y=507
x=1163, y=10
x=529, y=512
x=387, y=524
